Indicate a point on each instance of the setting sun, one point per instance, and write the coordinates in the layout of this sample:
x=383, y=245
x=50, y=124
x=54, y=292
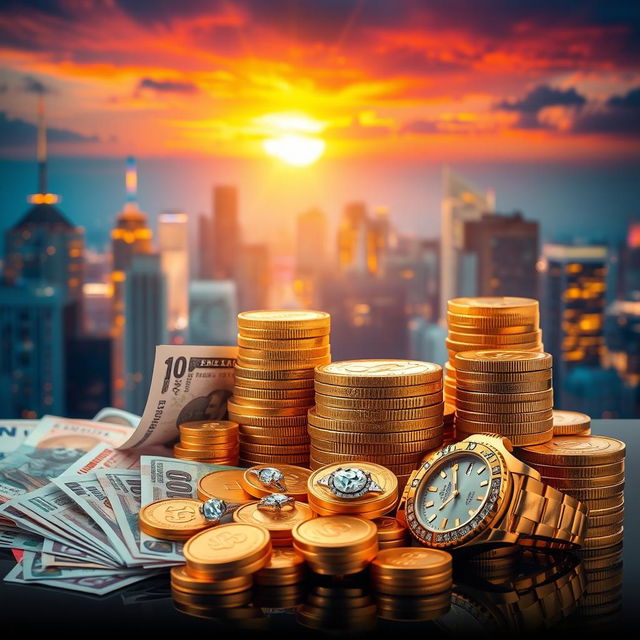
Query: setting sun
x=294, y=149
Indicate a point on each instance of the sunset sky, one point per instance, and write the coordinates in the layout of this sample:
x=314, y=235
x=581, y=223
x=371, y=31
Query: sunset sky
x=461, y=79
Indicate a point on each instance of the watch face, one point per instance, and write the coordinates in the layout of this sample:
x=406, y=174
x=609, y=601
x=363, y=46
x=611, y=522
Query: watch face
x=456, y=494
x=453, y=492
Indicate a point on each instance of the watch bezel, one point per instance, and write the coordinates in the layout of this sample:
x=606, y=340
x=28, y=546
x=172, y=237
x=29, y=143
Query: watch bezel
x=487, y=515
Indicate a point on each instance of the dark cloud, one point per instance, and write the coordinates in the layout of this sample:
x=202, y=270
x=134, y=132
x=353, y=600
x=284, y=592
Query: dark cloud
x=620, y=116
x=544, y=96
x=630, y=100
x=16, y=133
x=167, y=86
x=33, y=85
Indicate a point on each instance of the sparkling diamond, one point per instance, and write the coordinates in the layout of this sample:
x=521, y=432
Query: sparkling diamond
x=277, y=500
x=350, y=480
x=213, y=509
x=270, y=475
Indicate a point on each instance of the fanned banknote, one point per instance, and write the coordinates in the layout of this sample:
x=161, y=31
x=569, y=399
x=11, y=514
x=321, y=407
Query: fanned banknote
x=13, y=433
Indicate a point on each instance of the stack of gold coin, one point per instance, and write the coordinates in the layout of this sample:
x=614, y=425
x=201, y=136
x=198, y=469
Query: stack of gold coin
x=183, y=582
x=285, y=568
x=591, y=469
x=278, y=351
x=338, y=606
x=391, y=533
x=263, y=479
x=412, y=571
x=357, y=488
x=336, y=545
x=208, y=441
x=494, y=395
x=279, y=524
x=571, y=423
x=228, y=551
x=489, y=323
x=413, y=608
x=216, y=606
x=384, y=411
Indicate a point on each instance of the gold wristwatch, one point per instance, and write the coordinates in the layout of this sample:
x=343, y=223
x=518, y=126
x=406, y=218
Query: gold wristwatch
x=476, y=492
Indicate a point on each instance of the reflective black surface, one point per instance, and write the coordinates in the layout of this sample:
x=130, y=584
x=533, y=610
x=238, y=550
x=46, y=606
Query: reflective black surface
x=532, y=594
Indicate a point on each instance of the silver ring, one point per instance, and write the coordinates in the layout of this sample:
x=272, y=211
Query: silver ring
x=276, y=503
x=214, y=509
x=270, y=477
x=350, y=482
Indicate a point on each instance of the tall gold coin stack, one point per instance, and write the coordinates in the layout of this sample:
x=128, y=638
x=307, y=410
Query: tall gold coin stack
x=489, y=323
x=384, y=411
x=494, y=395
x=278, y=352
x=208, y=441
x=591, y=469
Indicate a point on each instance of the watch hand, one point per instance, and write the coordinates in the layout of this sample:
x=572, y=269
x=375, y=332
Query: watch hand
x=455, y=477
x=448, y=500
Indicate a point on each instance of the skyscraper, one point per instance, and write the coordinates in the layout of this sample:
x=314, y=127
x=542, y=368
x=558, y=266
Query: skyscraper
x=43, y=247
x=253, y=279
x=460, y=203
x=145, y=293
x=213, y=311
x=130, y=237
x=32, y=350
x=173, y=245
x=311, y=254
x=574, y=300
x=503, y=252
x=226, y=238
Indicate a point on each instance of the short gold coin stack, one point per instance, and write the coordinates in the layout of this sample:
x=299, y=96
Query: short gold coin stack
x=208, y=441
x=489, y=323
x=494, y=395
x=385, y=411
x=391, y=533
x=571, y=423
x=278, y=352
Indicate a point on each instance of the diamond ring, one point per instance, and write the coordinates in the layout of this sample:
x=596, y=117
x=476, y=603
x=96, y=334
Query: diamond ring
x=276, y=503
x=270, y=477
x=350, y=482
x=214, y=509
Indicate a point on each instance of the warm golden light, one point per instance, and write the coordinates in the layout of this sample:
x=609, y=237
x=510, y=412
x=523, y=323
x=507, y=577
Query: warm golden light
x=295, y=149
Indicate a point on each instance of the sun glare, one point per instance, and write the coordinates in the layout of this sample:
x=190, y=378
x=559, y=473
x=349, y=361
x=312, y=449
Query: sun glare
x=292, y=138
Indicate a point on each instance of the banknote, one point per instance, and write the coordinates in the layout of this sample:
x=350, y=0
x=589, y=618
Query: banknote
x=168, y=478
x=93, y=585
x=16, y=539
x=49, y=450
x=117, y=416
x=32, y=569
x=70, y=556
x=188, y=383
x=13, y=434
x=49, y=560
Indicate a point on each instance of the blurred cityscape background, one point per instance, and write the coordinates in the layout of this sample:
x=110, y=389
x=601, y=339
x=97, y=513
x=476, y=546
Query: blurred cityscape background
x=87, y=294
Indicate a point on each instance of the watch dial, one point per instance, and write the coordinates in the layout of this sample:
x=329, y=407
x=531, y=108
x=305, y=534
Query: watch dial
x=454, y=492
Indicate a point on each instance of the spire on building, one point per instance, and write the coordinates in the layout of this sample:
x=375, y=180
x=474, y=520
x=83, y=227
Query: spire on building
x=42, y=196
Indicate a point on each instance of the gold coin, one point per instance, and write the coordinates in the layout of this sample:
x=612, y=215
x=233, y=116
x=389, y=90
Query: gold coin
x=347, y=534
x=520, y=388
x=283, y=319
x=380, y=403
x=343, y=391
x=490, y=341
x=502, y=398
x=568, y=423
x=279, y=525
x=379, y=373
x=380, y=459
x=275, y=439
x=460, y=347
x=210, y=451
x=231, y=461
x=515, y=418
x=272, y=421
x=489, y=408
x=281, y=449
x=607, y=503
x=407, y=563
x=494, y=306
x=516, y=439
x=602, y=542
x=302, y=385
x=284, y=334
x=489, y=326
x=390, y=529
x=228, y=550
x=205, y=602
x=379, y=415
x=605, y=520
x=225, y=485
x=180, y=579
x=223, y=442
x=249, y=411
x=270, y=403
x=303, y=376
x=273, y=394
x=378, y=448
x=569, y=451
x=465, y=378
x=374, y=438
x=295, y=482
x=284, y=354
x=373, y=426
x=584, y=483
x=173, y=518
x=253, y=459
x=272, y=432
x=596, y=493
x=282, y=365
x=208, y=428
x=286, y=566
x=286, y=345
x=502, y=361
x=580, y=472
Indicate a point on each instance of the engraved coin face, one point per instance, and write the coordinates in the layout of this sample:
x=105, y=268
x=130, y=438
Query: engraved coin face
x=569, y=418
x=377, y=368
x=504, y=302
x=454, y=492
x=226, y=543
x=175, y=513
x=414, y=558
x=274, y=521
x=335, y=531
